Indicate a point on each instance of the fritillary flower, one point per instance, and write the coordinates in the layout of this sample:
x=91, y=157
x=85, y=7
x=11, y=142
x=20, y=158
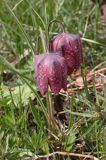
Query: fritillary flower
x=71, y=47
x=50, y=70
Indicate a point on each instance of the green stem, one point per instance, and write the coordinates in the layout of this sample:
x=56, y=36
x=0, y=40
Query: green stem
x=51, y=118
x=71, y=109
x=105, y=142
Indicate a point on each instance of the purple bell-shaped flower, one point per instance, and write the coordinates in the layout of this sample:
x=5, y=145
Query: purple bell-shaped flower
x=50, y=70
x=71, y=47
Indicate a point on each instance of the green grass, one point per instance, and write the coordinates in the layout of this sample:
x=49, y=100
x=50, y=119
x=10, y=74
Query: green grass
x=23, y=112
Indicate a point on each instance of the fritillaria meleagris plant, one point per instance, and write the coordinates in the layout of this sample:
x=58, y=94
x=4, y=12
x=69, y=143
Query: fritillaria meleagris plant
x=50, y=72
x=51, y=69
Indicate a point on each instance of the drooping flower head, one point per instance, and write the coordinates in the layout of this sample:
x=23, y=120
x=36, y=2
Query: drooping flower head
x=71, y=48
x=50, y=70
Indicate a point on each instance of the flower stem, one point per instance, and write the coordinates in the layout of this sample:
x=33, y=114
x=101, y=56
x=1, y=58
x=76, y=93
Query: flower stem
x=58, y=22
x=51, y=118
